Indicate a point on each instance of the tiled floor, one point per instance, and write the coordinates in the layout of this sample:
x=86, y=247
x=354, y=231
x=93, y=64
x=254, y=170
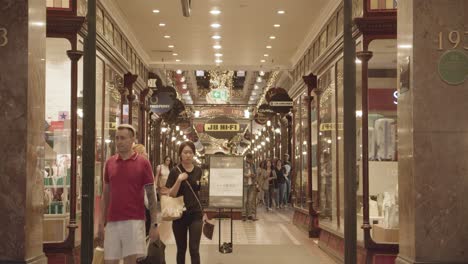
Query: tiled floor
x=273, y=240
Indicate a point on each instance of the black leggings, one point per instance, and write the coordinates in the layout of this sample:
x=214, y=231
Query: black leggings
x=193, y=223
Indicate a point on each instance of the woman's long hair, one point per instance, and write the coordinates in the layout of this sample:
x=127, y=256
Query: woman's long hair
x=171, y=164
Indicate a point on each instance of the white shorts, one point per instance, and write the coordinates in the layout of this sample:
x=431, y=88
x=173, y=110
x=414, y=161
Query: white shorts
x=124, y=238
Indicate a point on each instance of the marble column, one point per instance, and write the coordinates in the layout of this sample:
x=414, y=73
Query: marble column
x=432, y=133
x=22, y=100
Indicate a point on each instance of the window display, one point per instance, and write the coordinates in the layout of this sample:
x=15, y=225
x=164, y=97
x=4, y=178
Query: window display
x=327, y=156
x=297, y=151
x=57, y=170
x=383, y=154
x=304, y=149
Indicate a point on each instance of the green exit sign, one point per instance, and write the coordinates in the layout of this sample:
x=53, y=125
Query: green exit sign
x=222, y=95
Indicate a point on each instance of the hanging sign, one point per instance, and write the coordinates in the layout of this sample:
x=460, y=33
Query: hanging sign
x=163, y=100
x=281, y=103
x=222, y=127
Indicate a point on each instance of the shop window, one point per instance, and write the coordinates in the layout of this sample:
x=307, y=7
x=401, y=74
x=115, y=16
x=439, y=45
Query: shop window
x=59, y=4
x=113, y=81
x=383, y=4
x=323, y=42
x=327, y=156
x=297, y=152
x=99, y=21
x=313, y=154
x=304, y=149
x=57, y=171
x=135, y=116
x=358, y=7
x=340, y=22
x=331, y=30
x=383, y=152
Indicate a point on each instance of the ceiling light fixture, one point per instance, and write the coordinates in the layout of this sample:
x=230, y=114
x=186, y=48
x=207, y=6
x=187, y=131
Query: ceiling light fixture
x=216, y=37
x=215, y=25
x=156, y=11
x=174, y=54
x=281, y=12
x=265, y=55
x=218, y=61
x=263, y=61
x=177, y=60
x=272, y=37
x=179, y=71
x=218, y=55
x=184, y=86
x=171, y=46
x=261, y=73
x=215, y=12
x=162, y=24
x=269, y=47
x=277, y=25
x=167, y=37
x=217, y=47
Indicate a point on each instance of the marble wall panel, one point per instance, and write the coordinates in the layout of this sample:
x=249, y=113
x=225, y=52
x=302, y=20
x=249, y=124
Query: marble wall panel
x=22, y=77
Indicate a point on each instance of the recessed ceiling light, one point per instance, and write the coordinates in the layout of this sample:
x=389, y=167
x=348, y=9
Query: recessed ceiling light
x=262, y=60
x=265, y=55
x=281, y=12
x=156, y=11
x=217, y=47
x=215, y=12
x=218, y=54
x=215, y=25
x=179, y=71
x=177, y=60
x=216, y=37
x=268, y=47
x=218, y=61
x=174, y=54
x=256, y=87
x=277, y=25
x=261, y=73
x=272, y=37
x=162, y=24
x=167, y=37
x=171, y=46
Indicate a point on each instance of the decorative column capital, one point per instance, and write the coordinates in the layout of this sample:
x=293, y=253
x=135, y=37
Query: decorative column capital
x=311, y=82
x=364, y=56
x=75, y=55
x=129, y=80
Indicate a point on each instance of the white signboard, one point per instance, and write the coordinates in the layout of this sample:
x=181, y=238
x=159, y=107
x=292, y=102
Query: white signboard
x=226, y=181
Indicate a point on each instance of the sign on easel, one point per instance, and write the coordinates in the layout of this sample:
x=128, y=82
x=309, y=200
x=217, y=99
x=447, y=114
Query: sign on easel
x=226, y=181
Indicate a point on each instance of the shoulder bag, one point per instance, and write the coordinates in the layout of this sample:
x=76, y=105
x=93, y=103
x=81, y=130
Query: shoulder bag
x=172, y=208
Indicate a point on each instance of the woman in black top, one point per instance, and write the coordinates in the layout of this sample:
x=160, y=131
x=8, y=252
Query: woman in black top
x=192, y=219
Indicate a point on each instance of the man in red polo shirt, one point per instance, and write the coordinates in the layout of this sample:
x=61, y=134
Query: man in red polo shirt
x=126, y=178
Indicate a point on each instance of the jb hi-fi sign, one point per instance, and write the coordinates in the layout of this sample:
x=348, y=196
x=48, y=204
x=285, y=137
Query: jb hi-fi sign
x=222, y=127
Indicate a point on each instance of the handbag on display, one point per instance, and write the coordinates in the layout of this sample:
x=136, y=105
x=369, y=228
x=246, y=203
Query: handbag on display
x=208, y=228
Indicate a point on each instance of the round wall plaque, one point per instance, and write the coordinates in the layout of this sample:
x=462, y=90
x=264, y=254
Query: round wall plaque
x=453, y=67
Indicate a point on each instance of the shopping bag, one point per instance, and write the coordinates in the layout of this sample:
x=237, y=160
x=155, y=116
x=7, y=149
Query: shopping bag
x=172, y=208
x=156, y=253
x=98, y=257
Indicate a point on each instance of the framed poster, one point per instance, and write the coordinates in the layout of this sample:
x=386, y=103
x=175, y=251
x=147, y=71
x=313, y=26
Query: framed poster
x=226, y=181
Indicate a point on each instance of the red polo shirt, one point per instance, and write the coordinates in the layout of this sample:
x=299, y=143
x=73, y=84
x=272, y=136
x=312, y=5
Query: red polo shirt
x=126, y=179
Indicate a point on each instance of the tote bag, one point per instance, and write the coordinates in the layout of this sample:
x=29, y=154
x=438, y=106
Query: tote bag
x=172, y=208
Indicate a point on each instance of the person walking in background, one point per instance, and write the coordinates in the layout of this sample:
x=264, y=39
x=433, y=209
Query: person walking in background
x=269, y=179
x=141, y=150
x=162, y=174
x=127, y=175
x=281, y=180
x=191, y=222
x=250, y=190
x=287, y=174
x=260, y=183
